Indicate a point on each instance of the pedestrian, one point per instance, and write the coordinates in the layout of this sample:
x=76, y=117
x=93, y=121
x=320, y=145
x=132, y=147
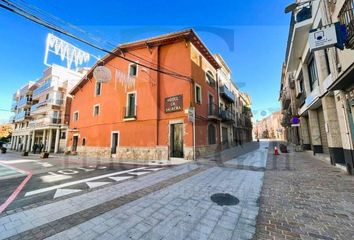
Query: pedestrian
x=34, y=148
x=41, y=146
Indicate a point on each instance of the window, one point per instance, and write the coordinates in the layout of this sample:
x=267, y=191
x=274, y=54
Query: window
x=211, y=134
x=313, y=77
x=198, y=94
x=47, y=96
x=76, y=116
x=328, y=68
x=63, y=135
x=98, y=88
x=96, y=110
x=133, y=70
x=210, y=78
x=83, y=141
x=131, y=105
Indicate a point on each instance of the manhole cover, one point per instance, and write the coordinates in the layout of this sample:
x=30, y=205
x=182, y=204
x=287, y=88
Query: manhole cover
x=224, y=199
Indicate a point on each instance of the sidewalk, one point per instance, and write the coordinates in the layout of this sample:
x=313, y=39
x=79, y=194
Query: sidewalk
x=174, y=203
x=305, y=198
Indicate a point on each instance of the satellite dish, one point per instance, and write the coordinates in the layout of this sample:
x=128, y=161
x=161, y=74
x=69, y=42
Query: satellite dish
x=102, y=74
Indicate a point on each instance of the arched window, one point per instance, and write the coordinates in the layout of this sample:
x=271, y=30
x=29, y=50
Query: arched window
x=210, y=78
x=211, y=134
x=83, y=141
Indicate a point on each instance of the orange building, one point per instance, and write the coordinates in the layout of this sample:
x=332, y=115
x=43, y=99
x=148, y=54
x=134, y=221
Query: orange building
x=142, y=113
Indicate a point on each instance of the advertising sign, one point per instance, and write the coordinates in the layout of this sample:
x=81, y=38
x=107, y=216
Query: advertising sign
x=173, y=104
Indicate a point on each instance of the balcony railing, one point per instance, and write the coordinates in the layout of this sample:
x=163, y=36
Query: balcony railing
x=130, y=112
x=21, y=116
x=51, y=101
x=42, y=88
x=304, y=13
x=213, y=111
x=227, y=94
x=23, y=101
x=346, y=16
x=227, y=116
x=14, y=106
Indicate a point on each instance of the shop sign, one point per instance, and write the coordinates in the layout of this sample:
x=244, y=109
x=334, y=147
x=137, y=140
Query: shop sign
x=333, y=35
x=174, y=104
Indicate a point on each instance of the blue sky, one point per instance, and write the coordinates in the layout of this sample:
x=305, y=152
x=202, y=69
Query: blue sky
x=253, y=46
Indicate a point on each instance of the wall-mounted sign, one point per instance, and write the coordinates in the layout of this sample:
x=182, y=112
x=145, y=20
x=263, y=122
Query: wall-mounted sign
x=328, y=36
x=174, y=104
x=295, y=120
x=191, y=114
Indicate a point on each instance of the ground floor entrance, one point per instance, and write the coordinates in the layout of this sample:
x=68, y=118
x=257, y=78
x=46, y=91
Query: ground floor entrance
x=176, y=140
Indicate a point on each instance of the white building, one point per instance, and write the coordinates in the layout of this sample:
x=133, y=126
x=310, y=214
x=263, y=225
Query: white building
x=42, y=110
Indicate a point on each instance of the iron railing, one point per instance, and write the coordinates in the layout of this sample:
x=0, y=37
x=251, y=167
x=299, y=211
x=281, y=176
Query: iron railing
x=346, y=17
x=213, y=110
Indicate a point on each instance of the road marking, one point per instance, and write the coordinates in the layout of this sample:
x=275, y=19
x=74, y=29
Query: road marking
x=68, y=172
x=17, y=161
x=42, y=190
x=117, y=179
x=63, y=192
x=154, y=169
x=54, y=177
x=96, y=184
x=138, y=173
x=16, y=192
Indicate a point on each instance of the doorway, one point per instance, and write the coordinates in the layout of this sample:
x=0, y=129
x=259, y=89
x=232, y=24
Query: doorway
x=176, y=138
x=75, y=141
x=114, y=142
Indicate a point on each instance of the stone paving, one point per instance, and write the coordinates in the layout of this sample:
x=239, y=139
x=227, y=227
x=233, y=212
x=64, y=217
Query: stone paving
x=305, y=198
x=170, y=204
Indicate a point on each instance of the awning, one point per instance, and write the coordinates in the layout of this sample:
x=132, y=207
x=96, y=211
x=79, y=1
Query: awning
x=344, y=81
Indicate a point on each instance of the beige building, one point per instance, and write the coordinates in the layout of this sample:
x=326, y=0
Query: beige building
x=317, y=86
x=41, y=110
x=235, y=109
x=270, y=127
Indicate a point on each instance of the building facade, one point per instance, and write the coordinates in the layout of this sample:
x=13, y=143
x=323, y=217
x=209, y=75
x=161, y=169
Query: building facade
x=317, y=86
x=142, y=113
x=41, y=110
x=270, y=127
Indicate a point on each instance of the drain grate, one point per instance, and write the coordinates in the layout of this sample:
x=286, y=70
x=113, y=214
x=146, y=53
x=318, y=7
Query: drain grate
x=224, y=199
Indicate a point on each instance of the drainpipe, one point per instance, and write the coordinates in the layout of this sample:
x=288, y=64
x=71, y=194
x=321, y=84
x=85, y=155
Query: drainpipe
x=158, y=97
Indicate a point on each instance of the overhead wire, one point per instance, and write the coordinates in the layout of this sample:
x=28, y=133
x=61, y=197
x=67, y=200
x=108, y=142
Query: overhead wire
x=21, y=12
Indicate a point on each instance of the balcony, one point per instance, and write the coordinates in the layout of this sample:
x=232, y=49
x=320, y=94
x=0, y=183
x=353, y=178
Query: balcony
x=213, y=112
x=46, y=121
x=300, y=25
x=54, y=102
x=42, y=88
x=12, y=119
x=346, y=17
x=285, y=98
x=14, y=106
x=129, y=113
x=21, y=116
x=226, y=94
x=227, y=116
x=25, y=101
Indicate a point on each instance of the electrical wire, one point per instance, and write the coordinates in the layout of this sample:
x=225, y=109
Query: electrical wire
x=19, y=11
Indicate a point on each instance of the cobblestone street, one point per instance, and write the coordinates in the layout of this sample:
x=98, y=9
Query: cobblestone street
x=305, y=198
